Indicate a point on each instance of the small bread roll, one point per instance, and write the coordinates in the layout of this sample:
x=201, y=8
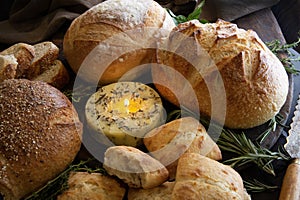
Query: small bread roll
x=199, y=177
x=231, y=72
x=161, y=192
x=134, y=167
x=40, y=135
x=123, y=32
x=84, y=185
x=124, y=112
x=185, y=135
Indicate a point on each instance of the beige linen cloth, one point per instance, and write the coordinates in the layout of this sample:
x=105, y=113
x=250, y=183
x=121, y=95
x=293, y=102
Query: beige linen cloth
x=32, y=21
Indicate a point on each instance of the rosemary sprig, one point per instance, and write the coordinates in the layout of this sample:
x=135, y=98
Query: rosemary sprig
x=60, y=183
x=255, y=186
x=78, y=93
x=277, y=120
x=248, y=152
x=193, y=15
x=280, y=49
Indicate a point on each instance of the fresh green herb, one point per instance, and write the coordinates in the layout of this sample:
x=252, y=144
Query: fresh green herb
x=273, y=123
x=194, y=15
x=60, y=183
x=248, y=152
x=280, y=50
x=79, y=93
x=256, y=186
x=239, y=144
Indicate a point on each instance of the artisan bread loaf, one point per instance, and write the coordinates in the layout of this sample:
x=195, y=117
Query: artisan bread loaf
x=134, y=167
x=185, y=135
x=40, y=135
x=84, y=185
x=161, y=192
x=56, y=75
x=224, y=63
x=24, y=53
x=199, y=177
x=8, y=67
x=123, y=32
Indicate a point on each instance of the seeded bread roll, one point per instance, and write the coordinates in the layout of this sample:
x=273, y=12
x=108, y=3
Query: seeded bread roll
x=8, y=67
x=40, y=135
x=185, y=135
x=210, y=56
x=199, y=177
x=124, y=112
x=134, y=167
x=132, y=25
x=84, y=185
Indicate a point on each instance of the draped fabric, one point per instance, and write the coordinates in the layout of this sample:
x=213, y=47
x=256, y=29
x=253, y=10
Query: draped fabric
x=32, y=21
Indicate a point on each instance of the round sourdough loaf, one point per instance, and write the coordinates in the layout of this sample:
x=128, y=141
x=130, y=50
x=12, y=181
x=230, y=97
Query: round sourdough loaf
x=40, y=135
x=123, y=32
x=215, y=55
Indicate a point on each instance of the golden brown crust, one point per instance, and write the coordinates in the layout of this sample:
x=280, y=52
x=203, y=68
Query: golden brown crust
x=169, y=141
x=134, y=167
x=161, y=192
x=114, y=18
x=84, y=185
x=255, y=81
x=199, y=177
x=40, y=135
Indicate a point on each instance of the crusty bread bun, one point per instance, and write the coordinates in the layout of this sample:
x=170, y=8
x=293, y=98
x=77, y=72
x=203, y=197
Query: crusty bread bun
x=161, y=192
x=216, y=57
x=93, y=186
x=40, y=135
x=136, y=168
x=185, y=135
x=199, y=177
x=122, y=26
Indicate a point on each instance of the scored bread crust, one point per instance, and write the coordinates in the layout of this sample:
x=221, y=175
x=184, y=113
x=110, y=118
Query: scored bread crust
x=199, y=177
x=40, y=135
x=255, y=81
x=114, y=18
